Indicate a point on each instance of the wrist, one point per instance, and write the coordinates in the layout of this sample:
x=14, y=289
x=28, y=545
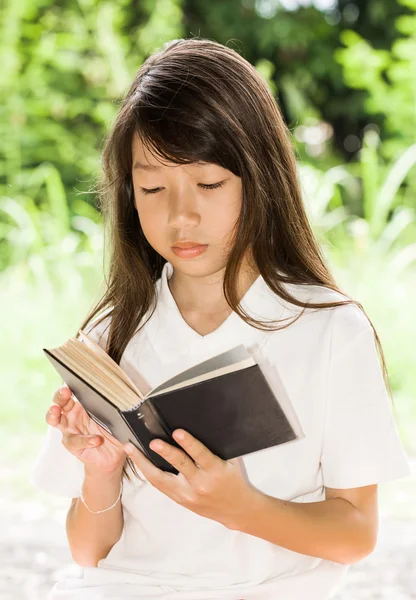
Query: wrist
x=101, y=510
x=254, y=503
x=100, y=492
x=98, y=476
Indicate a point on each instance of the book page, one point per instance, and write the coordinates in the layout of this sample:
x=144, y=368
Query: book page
x=248, y=362
x=80, y=360
x=98, y=369
x=228, y=358
x=96, y=348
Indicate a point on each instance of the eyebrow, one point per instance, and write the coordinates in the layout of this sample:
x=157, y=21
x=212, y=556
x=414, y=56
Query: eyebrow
x=138, y=165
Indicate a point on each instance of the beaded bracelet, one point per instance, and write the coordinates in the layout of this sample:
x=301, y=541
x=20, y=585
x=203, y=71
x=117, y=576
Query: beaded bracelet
x=96, y=512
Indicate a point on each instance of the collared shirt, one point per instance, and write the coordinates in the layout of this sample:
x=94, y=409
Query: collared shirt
x=328, y=364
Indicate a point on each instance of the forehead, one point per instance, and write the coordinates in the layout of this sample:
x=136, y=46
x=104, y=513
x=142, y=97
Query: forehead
x=144, y=160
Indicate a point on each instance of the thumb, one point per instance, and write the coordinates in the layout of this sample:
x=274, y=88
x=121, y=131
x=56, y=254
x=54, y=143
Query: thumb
x=75, y=441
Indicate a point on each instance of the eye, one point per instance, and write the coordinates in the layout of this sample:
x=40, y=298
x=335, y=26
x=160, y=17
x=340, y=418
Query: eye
x=154, y=191
x=211, y=186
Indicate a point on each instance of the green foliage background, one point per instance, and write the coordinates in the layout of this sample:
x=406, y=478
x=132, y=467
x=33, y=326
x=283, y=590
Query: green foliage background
x=344, y=75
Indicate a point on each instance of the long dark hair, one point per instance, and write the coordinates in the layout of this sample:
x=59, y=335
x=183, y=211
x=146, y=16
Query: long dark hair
x=197, y=100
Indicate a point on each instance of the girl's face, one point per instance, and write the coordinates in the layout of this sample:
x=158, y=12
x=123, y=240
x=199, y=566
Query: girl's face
x=174, y=204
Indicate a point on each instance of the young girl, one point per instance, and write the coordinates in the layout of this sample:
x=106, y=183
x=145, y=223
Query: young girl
x=211, y=248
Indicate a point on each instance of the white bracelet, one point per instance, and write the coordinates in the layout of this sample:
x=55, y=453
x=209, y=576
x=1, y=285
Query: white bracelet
x=96, y=512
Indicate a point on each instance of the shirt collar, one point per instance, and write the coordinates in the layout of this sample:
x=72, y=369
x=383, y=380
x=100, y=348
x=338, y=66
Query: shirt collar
x=171, y=336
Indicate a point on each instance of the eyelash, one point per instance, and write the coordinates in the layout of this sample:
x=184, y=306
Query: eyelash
x=212, y=186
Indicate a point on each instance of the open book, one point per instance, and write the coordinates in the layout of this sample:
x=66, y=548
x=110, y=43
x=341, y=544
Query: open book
x=234, y=403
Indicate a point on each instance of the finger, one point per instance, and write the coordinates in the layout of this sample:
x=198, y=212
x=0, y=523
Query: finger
x=153, y=474
x=53, y=416
x=203, y=457
x=75, y=442
x=176, y=457
x=63, y=397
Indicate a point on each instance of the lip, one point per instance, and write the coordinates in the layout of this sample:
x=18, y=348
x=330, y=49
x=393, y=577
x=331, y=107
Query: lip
x=187, y=244
x=189, y=252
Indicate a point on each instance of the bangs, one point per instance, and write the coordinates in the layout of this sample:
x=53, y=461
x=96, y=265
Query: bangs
x=186, y=132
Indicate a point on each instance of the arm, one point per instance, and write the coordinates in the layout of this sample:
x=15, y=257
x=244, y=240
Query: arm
x=342, y=528
x=91, y=536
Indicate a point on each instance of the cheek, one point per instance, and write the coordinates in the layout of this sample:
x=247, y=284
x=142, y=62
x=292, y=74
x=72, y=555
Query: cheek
x=224, y=215
x=150, y=219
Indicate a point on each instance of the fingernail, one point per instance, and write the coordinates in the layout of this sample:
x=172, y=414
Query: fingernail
x=129, y=448
x=92, y=442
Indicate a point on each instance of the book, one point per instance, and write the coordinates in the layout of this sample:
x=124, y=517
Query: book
x=234, y=402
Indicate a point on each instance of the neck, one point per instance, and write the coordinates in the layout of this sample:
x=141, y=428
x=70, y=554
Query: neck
x=204, y=294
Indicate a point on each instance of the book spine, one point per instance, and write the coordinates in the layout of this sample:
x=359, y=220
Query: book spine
x=146, y=427
x=154, y=422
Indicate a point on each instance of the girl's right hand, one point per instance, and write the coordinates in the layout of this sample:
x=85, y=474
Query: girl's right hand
x=100, y=452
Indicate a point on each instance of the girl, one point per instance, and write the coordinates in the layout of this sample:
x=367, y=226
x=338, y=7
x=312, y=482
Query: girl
x=210, y=248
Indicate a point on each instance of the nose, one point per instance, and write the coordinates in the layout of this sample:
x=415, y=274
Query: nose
x=183, y=210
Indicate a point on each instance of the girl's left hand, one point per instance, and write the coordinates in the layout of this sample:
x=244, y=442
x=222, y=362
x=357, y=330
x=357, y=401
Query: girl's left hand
x=212, y=487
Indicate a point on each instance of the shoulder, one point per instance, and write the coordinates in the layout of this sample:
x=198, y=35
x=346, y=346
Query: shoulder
x=342, y=323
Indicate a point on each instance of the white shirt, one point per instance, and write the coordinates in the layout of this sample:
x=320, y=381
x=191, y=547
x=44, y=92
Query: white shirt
x=328, y=363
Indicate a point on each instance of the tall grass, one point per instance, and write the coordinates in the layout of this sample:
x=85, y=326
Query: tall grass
x=373, y=256
x=53, y=274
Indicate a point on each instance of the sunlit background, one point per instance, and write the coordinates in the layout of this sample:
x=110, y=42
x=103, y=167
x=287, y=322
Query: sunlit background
x=344, y=76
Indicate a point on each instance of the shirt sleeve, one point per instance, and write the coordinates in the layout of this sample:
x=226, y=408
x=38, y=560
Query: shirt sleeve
x=55, y=470
x=361, y=445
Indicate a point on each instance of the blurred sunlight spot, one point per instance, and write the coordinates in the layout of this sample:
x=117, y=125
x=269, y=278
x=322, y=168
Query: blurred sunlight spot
x=333, y=17
x=268, y=8
x=314, y=134
x=325, y=4
x=350, y=13
x=352, y=143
